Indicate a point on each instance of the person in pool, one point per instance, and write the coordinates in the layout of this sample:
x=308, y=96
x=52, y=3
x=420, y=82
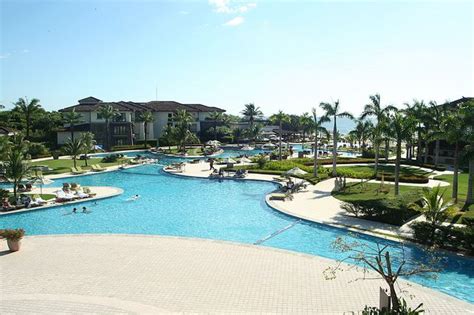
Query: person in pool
x=74, y=210
x=84, y=210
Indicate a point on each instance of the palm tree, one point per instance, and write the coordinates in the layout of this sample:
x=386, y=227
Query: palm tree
x=374, y=108
x=317, y=127
x=72, y=118
x=28, y=109
x=16, y=164
x=305, y=122
x=251, y=112
x=401, y=128
x=255, y=131
x=435, y=117
x=333, y=112
x=107, y=112
x=435, y=208
x=88, y=144
x=217, y=118
x=467, y=115
x=279, y=119
x=146, y=118
x=418, y=111
x=73, y=148
x=183, y=120
x=169, y=135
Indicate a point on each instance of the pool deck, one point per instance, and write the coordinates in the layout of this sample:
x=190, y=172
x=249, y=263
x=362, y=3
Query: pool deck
x=316, y=204
x=101, y=192
x=109, y=274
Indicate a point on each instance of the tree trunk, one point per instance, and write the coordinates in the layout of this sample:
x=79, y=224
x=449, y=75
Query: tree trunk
x=146, y=134
x=470, y=183
x=456, y=171
x=418, y=152
x=397, y=167
x=72, y=131
x=387, y=149
x=15, y=187
x=334, y=148
x=436, y=160
x=27, y=127
x=315, y=163
x=85, y=156
x=407, y=153
x=74, y=161
x=425, y=160
x=279, y=147
x=376, y=165
x=107, y=135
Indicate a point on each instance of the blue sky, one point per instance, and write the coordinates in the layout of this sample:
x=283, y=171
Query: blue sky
x=287, y=55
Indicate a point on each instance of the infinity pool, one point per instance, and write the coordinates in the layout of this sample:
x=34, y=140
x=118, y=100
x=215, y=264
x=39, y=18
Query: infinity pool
x=227, y=210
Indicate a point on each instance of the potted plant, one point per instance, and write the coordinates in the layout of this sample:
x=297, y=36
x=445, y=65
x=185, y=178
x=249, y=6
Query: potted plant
x=13, y=238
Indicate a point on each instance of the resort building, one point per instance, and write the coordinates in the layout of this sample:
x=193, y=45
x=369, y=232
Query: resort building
x=125, y=127
x=7, y=131
x=446, y=152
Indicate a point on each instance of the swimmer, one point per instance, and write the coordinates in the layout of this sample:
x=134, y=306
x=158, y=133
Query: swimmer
x=74, y=210
x=84, y=210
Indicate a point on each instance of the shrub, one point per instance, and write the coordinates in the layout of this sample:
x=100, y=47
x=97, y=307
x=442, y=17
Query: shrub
x=261, y=161
x=352, y=208
x=449, y=237
x=37, y=150
x=468, y=219
x=353, y=173
x=13, y=235
x=4, y=193
x=129, y=147
x=415, y=179
x=371, y=154
x=110, y=158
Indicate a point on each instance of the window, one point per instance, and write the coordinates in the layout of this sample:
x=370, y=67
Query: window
x=120, y=117
x=99, y=116
x=120, y=130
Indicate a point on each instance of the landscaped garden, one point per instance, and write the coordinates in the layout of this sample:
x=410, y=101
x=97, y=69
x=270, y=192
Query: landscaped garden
x=64, y=165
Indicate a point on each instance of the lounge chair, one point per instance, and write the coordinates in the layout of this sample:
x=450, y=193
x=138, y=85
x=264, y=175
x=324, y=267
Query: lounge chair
x=97, y=168
x=37, y=199
x=62, y=196
x=280, y=179
x=240, y=173
x=87, y=190
x=278, y=196
x=77, y=170
x=81, y=194
x=21, y=188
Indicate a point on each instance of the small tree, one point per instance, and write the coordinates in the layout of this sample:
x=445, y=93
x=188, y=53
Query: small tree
x=146, y=118
x=279, y=119
x=388, y=261
x=73, y=148
x=88, y=144
x=17, y=166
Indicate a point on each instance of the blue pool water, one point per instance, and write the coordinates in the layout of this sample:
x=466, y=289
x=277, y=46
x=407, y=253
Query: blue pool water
x=227, y=210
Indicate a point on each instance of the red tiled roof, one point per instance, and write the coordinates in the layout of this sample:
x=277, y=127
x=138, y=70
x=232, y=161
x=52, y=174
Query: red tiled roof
x=88, y=105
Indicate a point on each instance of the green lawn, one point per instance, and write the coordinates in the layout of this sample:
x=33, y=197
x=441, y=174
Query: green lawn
x=462, y=194
x=387, y=169
x=368, y=191
x=64, y=165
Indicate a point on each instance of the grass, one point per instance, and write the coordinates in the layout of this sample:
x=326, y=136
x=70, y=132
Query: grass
x=64, y=165
x=462, y=195
x=189, y=151
x=385, y=206
x=386, y=169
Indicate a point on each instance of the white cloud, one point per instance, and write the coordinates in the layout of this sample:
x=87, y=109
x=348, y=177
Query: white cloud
x=226, y=6
x=4, y=56
x=235, y=21
x=25, y=51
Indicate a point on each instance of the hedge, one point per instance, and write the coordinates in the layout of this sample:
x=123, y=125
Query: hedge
x=129, y=147
x=448, y=237
x=414, y=179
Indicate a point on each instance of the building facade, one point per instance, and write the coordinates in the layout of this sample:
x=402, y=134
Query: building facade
x=126, y=127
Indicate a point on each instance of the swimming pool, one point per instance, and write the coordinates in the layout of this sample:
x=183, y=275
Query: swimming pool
x=228, y=210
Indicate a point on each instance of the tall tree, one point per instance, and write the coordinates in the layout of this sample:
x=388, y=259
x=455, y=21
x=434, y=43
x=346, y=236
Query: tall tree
x=401, y=128
x=467, y=115
x=74, y=148
x=305, y=122
x=279, y=119
x=17, y=166
x=28, y=109
x=216, y=118
x=251, y=112
x=435, y=117
x=418, y=110
x=107, y=112
x=146, y=118
x=88, y=144
x=333, y=112
x=183, y=121
x=72, y=118
x=317, y=127
x=375, y=109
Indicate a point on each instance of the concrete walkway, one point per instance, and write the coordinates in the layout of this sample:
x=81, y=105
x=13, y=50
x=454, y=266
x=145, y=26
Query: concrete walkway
x=110, y=274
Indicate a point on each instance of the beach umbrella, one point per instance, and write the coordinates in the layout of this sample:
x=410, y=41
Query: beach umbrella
x=245, y=160
x=41, y=181
x=214, y=143
x=296, y=171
